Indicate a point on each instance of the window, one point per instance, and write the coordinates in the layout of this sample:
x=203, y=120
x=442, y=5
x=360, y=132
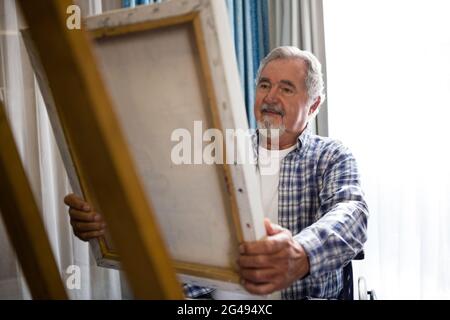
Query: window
x=388, y=71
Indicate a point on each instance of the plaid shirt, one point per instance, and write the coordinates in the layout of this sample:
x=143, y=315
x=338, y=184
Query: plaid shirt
x=321, y=202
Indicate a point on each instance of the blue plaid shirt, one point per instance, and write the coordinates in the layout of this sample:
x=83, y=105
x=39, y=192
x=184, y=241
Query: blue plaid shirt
x=321, y=202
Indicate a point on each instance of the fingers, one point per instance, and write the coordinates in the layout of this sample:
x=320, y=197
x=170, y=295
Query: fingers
x=258, y=276
x=86, y=236
x=81, y=227
x=271, y=245
x=86, y=224
x=76, y=202
x=259, y=288
x=273, y=263
x=88, y=230
x=272, y=228
x=261, y=261
x=84, y=216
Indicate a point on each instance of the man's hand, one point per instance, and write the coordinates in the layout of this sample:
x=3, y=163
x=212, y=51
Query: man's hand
x=86, y=223
x=273, y=263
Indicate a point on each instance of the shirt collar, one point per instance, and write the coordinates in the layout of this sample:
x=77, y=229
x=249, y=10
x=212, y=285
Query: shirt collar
x=302, y=140
x=304, y=137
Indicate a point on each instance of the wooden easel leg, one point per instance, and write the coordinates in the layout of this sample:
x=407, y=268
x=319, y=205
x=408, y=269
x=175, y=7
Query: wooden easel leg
x=23, y=221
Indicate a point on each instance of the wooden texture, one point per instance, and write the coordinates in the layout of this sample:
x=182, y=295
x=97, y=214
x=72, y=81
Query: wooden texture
x=98, y=149
x=23, y=221
x=166, y=66
x=104, y=255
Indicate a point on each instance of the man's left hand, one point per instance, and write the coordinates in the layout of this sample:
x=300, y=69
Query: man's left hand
x=273, y=263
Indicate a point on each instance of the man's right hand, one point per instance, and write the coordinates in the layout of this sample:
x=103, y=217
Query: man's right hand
x=86, y=223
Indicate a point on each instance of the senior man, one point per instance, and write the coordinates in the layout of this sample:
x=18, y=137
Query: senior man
x=312, y=198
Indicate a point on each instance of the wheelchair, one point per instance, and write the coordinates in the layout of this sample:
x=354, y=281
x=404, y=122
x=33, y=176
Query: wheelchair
x=347, y=292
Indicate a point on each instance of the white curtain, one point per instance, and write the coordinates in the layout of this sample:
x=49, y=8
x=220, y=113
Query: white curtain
x=300, y=23
x=34, y=138
x=389, y=101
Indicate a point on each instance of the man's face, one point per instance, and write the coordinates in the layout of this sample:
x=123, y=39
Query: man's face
x=281, y=97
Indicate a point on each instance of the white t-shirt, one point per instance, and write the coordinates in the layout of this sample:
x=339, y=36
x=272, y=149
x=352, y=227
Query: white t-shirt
x=269, y=163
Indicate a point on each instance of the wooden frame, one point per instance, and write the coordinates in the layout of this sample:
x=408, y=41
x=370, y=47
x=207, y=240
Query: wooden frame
x=208, y=23
x=98, y=149
x=23, y=221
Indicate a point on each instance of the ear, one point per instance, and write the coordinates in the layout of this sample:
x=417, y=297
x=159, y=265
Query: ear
x=314, y=106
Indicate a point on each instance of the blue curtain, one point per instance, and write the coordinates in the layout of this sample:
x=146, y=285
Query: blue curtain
x=249, y=21
x=133, y=3
x=250, y=27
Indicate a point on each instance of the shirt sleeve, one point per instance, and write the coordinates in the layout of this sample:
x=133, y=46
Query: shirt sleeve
x=195, y=292
x=338, y=236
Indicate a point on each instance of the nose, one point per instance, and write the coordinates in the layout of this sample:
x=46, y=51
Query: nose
x=272, y=95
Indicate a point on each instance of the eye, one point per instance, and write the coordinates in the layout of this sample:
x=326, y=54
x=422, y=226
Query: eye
x=264, y=86
x=287, y=90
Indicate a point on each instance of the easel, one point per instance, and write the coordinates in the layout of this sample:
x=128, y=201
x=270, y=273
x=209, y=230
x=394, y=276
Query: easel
x=91, y=128
x=23, y=221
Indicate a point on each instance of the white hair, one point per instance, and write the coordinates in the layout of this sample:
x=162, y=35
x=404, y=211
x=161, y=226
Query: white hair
x=314, y=78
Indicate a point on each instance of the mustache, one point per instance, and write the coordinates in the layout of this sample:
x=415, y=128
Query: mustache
x=272, y=108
